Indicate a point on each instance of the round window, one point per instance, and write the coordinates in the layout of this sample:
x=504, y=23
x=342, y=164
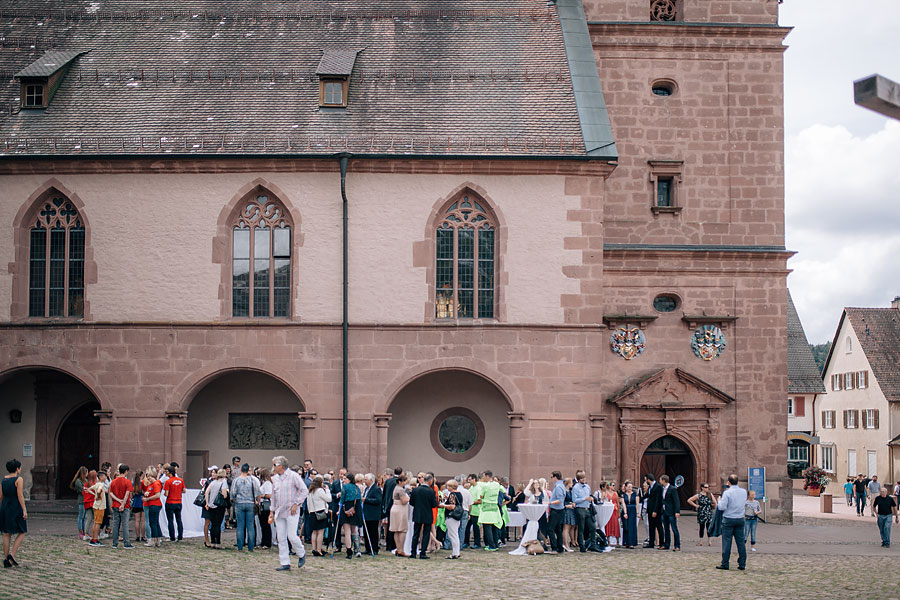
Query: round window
x=663, y=87
x=457, y=434
x=665, y=303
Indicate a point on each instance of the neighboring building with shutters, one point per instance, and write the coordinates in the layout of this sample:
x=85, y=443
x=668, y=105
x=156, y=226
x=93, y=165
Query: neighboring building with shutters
x=858, y=418
x=804, y=385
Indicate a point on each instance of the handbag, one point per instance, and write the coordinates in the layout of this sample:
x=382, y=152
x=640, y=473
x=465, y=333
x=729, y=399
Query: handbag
x=456, y=513
x=321, y=515
x=265, y=505
x=200, y=500
x=220, y=501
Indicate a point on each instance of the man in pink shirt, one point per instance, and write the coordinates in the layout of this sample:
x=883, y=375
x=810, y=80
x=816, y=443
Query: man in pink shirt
x=289, y=494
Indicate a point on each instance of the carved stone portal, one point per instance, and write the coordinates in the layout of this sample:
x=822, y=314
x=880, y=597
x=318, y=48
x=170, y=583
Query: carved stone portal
x=263, y=431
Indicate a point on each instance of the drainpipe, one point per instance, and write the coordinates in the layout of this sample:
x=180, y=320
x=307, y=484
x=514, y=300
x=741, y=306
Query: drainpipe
x=344, y=158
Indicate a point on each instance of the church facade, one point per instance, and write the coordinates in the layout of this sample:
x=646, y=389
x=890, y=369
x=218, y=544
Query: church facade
x=515, y=236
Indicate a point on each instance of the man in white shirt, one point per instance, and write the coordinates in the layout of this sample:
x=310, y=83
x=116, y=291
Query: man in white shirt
x=732, y=507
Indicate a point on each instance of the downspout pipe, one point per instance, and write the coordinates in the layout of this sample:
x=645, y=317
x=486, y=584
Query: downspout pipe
x=344, y=159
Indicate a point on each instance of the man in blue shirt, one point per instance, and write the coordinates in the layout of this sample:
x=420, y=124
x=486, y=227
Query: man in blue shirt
x=557, y=511
x=581, y=496
x=732, y=507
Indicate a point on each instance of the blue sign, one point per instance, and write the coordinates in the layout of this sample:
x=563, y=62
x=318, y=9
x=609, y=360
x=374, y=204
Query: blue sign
x=756, y=482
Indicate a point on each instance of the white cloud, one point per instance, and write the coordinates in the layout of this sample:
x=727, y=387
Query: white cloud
x=842, y=216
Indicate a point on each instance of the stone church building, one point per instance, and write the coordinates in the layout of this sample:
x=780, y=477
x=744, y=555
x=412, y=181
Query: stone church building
x=515, y=235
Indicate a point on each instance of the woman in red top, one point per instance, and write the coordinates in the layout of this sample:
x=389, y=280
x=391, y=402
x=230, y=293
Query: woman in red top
x=152, y=505
x=88, y=500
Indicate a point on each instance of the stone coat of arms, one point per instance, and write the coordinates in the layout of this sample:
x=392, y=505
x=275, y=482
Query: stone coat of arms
x=708, y=342
x=627, y=342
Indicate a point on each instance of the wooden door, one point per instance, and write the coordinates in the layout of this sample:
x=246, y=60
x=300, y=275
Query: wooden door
x=79, y=445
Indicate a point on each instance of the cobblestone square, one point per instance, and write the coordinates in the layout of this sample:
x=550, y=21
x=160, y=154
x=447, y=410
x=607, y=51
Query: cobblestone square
x=801, y=561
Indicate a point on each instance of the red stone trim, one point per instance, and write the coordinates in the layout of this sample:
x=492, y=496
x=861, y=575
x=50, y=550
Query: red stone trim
x=435, y=437
x=64, y=367
x=487, y=372
x=184, y=393
x=19, y=267
x=222, y=247
x=424, y=252
x=244, y=164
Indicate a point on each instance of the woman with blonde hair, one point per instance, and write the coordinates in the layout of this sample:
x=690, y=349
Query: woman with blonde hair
x=317, y=504
x=77, y=484
x=153, y=505
x=216, y=507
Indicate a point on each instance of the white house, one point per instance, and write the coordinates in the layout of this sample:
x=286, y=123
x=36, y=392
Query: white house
x=858, y=418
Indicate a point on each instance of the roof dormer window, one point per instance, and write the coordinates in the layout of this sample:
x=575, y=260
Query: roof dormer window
x=334, y=72
x=40, y=79
x=34, y=95
x=333, y=92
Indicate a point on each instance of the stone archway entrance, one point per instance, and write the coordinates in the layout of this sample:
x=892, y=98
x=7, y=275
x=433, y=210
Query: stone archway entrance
x=243, y=413
x=450, y=422
x=670, y=456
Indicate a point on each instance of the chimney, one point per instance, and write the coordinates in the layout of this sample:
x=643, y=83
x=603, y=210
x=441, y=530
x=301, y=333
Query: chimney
x=895, y=303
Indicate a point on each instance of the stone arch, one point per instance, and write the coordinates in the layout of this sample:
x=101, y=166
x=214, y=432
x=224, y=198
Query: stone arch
x=424, y=251
x=186, y=391
x=682, y=436
x=21, y=228
x=476, y=367
x=61, y=366
x=222, y=242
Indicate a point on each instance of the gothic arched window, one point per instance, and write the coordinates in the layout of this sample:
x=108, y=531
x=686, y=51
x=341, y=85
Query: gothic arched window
x=464, y=245
x=56, y=261
x=261, y=260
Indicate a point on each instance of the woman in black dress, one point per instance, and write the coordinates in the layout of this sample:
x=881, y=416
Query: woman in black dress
x=631, y=501
x=12, y=512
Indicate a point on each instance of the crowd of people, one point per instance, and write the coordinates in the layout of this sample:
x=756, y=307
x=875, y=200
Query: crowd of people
x=409, y=515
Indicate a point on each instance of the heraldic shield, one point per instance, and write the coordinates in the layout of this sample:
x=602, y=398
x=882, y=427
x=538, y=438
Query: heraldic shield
x=627, y=342
x=708, y=342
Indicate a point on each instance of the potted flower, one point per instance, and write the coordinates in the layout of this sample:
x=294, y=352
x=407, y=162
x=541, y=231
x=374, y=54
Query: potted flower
x=815, y=480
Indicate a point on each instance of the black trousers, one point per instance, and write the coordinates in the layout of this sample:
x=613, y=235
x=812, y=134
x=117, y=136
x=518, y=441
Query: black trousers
x=372, y=537
x=389, y=543
x=265, y=528
x=423, y=531
x=586, y=526
x=656, y=528
x=472, y=525
x=491, y=533
x=555, y=528
x=215, y=524
x=174, y=510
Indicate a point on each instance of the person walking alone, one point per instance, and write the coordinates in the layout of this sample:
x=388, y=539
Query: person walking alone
x=287, y=498
x=13, y=514
x=885, y=506
x=732, y=506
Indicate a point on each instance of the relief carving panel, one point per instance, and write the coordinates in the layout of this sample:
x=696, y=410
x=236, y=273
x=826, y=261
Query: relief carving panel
x=263, y=431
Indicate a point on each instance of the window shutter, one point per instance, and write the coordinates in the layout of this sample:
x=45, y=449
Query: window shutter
x=856, y=418
x=854, y=377
x=840, y=381
x=866, y=378
x=875, y=424
x=845, y=418
x=822, y=422
x=833, y=418
x=799, y=407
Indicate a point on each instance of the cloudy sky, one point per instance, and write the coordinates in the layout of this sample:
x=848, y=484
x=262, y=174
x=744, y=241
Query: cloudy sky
x=842, y=197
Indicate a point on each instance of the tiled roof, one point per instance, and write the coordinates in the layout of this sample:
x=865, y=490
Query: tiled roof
x=49, y=63
x=467, y=78
x=878, y=331
x=803, y=374
x=336, y=62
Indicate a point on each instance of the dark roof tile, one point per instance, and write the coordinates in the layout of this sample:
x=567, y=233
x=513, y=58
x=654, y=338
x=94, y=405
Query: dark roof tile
x=803, y=373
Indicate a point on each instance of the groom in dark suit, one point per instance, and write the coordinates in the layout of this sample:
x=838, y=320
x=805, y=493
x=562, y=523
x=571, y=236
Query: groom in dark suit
x=423, y=500
x=654, y=510
x=671, y=509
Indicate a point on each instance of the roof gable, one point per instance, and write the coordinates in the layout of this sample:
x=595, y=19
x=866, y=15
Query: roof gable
x=878, y=332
